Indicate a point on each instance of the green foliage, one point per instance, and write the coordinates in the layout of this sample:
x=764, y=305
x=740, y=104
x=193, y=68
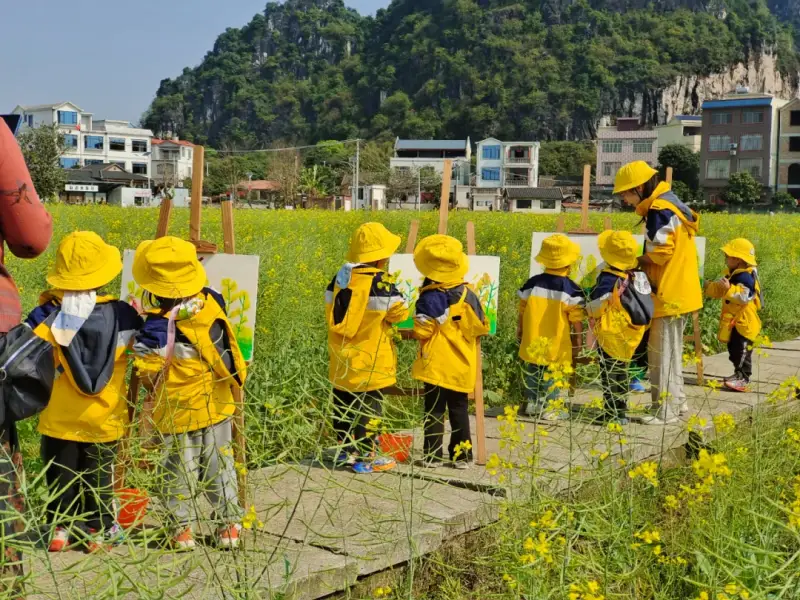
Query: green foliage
x=42, y=148
x=685, y=165
x=784, y=199
x=566, y=159
x=743, y=189
x=685, y=193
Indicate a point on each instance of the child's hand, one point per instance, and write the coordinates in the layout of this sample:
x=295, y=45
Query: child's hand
x=726, y=283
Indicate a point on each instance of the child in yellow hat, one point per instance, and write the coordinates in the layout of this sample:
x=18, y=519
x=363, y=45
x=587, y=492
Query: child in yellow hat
x=551, y=306
x=449, y=320
x=620, y=309
x=740, y=292
x=87, y=413
x=188, y=358
x=361, y=307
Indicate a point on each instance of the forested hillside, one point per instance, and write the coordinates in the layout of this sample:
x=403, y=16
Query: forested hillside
x=309, y=70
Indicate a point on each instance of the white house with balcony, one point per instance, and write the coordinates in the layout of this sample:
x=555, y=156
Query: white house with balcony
x=92, y=142
x=507, y=164
x=172, y=161
x=412, y=155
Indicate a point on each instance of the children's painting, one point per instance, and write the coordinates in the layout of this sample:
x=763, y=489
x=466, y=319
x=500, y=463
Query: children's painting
x=483, y=276
x=234, y=276
x=585, y=271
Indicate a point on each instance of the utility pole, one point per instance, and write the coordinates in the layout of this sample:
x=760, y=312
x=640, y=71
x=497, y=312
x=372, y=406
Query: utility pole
x=419, y=188
x=355, y=177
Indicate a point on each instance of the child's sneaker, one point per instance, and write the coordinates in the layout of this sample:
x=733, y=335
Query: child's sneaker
x=429, y=463
x=184, y=539
x=346, y=459
x=362, y=467
x=737, y=384
x=228, y=537
x=383, y=463
x=462, y=464
x=59, y=541
x=96, y=542
x=638, y=386
x=534, y=409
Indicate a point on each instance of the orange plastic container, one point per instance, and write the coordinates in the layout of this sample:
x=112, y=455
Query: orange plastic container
x=397, y=445
x=133, y=507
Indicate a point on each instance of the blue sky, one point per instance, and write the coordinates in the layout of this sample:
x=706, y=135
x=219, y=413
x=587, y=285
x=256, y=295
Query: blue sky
x=109, y=57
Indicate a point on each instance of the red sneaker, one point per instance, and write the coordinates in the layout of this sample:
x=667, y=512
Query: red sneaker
x=228, y=537
x=59, y=541
x=736, y=384
x=184, y=539
x=96, y=542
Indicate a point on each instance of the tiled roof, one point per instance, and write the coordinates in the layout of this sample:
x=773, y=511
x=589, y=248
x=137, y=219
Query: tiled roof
x=612, y=133
x=35, y=107
x=738, y=103
x=689, y=117
x=260, y=185
x=157, y=142
x=430, y=145
x=552, y=193
x=101, y=173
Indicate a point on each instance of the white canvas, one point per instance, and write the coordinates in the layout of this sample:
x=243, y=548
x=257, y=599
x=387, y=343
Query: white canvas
x=235, y=276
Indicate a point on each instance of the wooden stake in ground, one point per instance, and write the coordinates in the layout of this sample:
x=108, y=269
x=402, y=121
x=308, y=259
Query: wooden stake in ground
x=480, y=427
x=197, y=194
x=444, y=201
x=585, y=196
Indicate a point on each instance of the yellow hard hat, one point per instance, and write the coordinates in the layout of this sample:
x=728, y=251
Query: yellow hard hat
x=619, y=249
x=84, y=262
x=372, y=242
x=441, y=258
x=633, y=175
x=168, y=267
x=742, y=249
x=558, y=252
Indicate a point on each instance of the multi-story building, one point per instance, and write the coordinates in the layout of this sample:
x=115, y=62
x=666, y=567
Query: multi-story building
x=507, y=164
x=412, y=155
x=740, y=133
x=93, y=142
x=789, y=149
x=622, y=143
x=682, y=130
x=172, y=161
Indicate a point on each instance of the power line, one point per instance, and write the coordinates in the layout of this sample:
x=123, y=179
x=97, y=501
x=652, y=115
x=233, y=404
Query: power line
x=320, y=145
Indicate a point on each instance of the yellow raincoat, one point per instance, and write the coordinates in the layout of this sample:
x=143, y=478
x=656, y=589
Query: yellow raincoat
x=741, y=303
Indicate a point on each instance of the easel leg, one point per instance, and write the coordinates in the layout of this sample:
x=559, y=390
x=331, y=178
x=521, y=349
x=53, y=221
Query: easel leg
x=698, y=347
x=480, y=425
x=239, y=448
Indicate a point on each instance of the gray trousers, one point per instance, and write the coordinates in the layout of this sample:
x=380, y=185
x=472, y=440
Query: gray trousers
x=665, y=355
x=200, y=462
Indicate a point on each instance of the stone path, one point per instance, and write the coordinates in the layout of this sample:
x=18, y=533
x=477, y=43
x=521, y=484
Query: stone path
x=324, y=529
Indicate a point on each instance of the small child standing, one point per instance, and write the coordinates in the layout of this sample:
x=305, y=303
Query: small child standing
x=620, y=309
x=188, y=358
x=740, y=291
x=550, y=311
x=361, y=308
x=448, y=322
x=87, y=413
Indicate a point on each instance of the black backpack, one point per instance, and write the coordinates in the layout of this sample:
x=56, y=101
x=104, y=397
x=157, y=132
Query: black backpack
x=636, y=297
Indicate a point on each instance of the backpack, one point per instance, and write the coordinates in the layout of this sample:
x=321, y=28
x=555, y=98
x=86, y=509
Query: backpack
x=637, y=299
x=27, y=373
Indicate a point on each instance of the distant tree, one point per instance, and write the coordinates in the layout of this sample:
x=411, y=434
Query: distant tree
x=42, y=148
x=284, y=168
x=784, y=199
x=743, y=189
x=375, y=158
x=566, y=159
x=685, y=164
x=684, y=192
x=315, y=182
x=403, y=183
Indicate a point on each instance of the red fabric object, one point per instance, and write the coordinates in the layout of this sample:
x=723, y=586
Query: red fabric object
x=25, y=226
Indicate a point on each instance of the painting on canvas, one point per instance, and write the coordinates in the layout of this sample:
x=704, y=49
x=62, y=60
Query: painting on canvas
x=584, y=272
x=234, y=276
x=483, y=275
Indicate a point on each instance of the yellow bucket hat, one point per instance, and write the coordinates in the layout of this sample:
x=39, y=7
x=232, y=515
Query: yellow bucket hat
x=742, y=249
x=619, y=249
x=558, y=252
x=84, y=262
x=168, y=267
x=372, y=242
x=441, y=258
x=633, y=175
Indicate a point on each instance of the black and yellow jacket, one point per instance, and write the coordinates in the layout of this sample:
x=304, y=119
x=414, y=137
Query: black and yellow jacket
x=361, y=308
x=448, y=323
x=89, y=399
x=195, y=391
x=740, y=304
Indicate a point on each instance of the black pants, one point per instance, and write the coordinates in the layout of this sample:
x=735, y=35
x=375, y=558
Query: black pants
x=615, y=379
x=639, y=364
x=740, y=351
x=352, y=413
x=437, y=400
x=81, y=482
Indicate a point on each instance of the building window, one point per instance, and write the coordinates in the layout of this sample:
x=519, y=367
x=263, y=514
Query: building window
x=29, y=120
x=612, y=147
x=70, y=141
x=490, y=174
x=139, y=145
x=718, y=169
x=794, y=118
x=610, y=169
x=547, y=204
x=722, y=118
x=491, y=153
x=719, y=143
x=751, y=117
x=93, y=161
x=751, y=165
x=117, y=144
x=524, y=204
x=67, y=117
x=93, y=142
x=69, y=163
x=642, y=147
x=751, y=142
x=139, y=168
x=794, y=144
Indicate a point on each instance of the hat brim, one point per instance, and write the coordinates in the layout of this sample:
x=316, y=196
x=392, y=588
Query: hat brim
x=751, y=261
x=376, y=255
x=621, y=265
x=444, y=276
x=166, y=289
x=112, y=266
x=614, y=261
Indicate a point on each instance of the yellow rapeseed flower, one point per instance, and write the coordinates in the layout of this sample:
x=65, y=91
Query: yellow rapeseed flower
x=647, y=471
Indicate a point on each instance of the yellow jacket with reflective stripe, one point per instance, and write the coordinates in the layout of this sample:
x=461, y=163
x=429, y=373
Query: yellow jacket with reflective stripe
x=549, y=304
x=89, y=401
x=615, y=332
x=195, y=391
x=448, y=323
x=674, y=275
x=740, y=304
x=361, y=310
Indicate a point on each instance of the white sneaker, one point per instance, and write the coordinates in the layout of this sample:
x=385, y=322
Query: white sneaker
x=554, y=415
x=684, y=410
x=657, y=419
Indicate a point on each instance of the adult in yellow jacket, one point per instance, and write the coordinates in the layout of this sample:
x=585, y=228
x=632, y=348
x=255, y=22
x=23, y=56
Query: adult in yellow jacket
x=362, y=307
x=670, y=261
x=87, y=414
x=551, y=312
x=740, y=292
x=449, y=320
